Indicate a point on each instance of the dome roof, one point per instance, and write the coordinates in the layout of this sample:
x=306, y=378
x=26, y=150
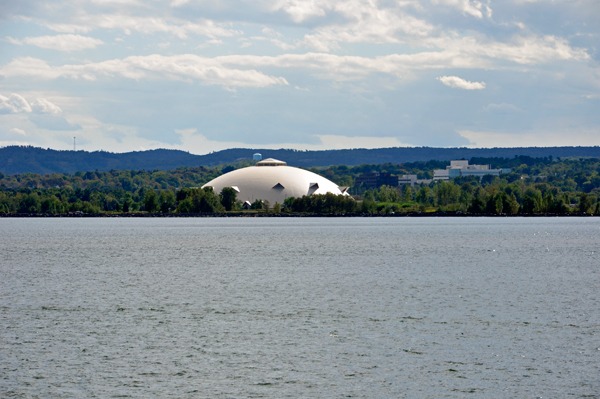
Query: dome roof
x=274, y=181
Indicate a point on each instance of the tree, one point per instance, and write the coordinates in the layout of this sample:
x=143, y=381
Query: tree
x=228, y=197
x=422, y=196
x=511, y=206
x=277, y=207
x=185, y=206
x=51, y=205
x=446, y=193
x=258, y=204
x=151, y=201
x=479, y=201
x=407, y=193
x=585, y=203
x=287, y=203
x=368, y=206
x=30, y=204
x=167, y=201
x=547, y=201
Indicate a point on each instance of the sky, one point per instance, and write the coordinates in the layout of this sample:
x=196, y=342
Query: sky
x=202, y=76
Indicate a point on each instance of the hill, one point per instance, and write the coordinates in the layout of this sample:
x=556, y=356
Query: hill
x=27, y=159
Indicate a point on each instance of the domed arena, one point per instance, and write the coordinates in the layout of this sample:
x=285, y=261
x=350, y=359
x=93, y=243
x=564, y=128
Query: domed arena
x=272, y=180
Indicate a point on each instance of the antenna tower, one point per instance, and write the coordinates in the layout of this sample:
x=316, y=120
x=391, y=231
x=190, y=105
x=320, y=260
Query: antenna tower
x=74, y=147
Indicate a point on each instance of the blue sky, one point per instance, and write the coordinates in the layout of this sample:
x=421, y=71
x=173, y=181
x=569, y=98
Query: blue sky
x=128, y=75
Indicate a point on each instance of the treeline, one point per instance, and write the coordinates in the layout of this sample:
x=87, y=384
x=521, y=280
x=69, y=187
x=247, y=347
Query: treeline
x=535, y=186
x=23, y=159
x=469, y=197
x=114, y=180
x=567, y=174
x=497, y=197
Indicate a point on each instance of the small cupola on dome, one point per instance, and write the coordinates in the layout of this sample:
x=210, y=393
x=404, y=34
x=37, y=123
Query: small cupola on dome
x=271, y=162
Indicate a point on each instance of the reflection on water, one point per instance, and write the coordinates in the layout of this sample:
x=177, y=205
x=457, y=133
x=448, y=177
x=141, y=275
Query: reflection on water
x=237, y=308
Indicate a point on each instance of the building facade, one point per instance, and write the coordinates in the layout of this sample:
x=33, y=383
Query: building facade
x=376, y=179
x=462, y=168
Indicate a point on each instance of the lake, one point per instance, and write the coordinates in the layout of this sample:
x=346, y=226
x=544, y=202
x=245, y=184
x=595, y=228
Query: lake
x=300, y=307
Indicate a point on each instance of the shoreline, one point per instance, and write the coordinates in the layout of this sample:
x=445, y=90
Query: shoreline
x=282, y=215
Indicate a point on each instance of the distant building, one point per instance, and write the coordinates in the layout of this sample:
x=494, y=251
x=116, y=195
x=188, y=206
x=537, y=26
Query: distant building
x=376, y=179
x=462, y=168
x=407, y=179
x=257, y=157
x=272, y=180
x=368, y=180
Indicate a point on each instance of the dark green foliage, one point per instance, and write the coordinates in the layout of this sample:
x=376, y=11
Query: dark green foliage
x=585, y=203
x=542, y=185
x=30, y=204
x=324, y=203
x=227, y=169
x=257, y=204
x=151, y=203
x=227, y=198
x=23, y=159
x=167, y=201
x=200, y=201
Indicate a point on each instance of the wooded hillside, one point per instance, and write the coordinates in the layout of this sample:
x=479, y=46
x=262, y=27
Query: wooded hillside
x=19, y=160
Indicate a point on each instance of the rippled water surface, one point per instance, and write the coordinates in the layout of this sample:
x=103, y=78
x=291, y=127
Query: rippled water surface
x=321, y=308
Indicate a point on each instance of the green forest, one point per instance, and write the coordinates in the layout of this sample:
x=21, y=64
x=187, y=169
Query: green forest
x=535, y=186
x=28, y=159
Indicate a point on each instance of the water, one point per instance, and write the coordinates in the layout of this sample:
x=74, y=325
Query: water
x=313, y=308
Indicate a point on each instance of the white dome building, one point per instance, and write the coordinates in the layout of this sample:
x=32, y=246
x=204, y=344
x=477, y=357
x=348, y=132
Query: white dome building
x=274, y=181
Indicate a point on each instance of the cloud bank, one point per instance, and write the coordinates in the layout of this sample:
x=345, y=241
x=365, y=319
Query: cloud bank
x=127, y=74
x=458, y=83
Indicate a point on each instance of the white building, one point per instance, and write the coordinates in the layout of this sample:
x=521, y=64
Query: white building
x=274, y=181
x=407, y=179
x=462, y=168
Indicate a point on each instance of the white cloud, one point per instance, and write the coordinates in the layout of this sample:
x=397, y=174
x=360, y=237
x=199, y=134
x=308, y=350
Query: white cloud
x=64, y=42
x=473, y=8
x=458, y=83
x=276, y=42
x=525, y=50
x=456, y=53
x=13, y=40
x=197, y=143
x=333, y=142
x=53, y=122
x=14, y=104
x=368, y=23
x=68, y=28
x=187, y=66
x=146, y=25
x=353, y=67
x=18, y=131
x=43, y=106
x=10, y=143
x=301, y=10
x=547, y=138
